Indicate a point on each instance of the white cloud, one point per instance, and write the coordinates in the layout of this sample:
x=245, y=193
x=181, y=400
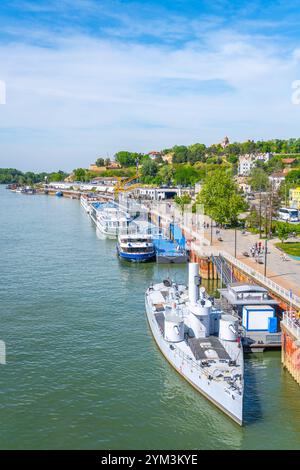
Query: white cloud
x=86, y=96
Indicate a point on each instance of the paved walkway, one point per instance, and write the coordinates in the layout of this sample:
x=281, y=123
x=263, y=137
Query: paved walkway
x=284, y=273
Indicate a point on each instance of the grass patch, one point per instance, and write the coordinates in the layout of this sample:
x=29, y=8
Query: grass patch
x=292, y=249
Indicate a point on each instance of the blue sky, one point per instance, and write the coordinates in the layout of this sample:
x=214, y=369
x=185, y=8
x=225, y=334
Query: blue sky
x=87, y=78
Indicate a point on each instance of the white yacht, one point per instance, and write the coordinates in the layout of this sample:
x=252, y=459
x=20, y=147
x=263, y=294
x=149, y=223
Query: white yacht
x=199, y=341
x=109, y=218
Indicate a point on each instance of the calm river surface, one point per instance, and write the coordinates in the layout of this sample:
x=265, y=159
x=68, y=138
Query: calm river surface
x=82, y=368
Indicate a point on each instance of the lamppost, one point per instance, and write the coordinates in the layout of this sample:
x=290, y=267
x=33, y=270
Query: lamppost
x=266, y=255
x=235, y=241
x=260, y=217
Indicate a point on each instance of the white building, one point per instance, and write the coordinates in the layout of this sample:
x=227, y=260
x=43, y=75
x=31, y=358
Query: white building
x=276, y=179
x=248, y=161
x=159, y=194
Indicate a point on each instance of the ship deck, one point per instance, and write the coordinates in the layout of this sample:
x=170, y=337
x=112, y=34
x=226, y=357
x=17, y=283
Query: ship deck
x=199, y=346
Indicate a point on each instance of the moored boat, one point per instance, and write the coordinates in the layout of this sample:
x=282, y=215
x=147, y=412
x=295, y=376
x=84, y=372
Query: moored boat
x=86, y=200
x=199, y=341
x=136, y=247
x=109, y=218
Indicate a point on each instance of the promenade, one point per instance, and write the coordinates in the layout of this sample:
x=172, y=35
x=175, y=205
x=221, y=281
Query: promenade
x=282, y=277
x=285, y=273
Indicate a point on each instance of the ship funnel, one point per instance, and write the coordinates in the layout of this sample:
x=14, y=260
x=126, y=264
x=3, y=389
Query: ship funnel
x=194, y=283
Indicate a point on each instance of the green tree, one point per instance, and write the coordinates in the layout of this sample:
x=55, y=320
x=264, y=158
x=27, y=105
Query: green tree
x=182, y=201
x=282, y=231
x=180, y=154
x=125, y=159
x=186, y=175
x=258, y=179
x=79, y=174
x=221, y=198
x=197, y=153
x=166, y=175
x=149, y=171
x=100, y=162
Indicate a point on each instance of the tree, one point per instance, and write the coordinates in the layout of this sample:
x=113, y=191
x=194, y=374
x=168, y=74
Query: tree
x=182, y=201
x=197, y=153
x=149, y=171
x=166, y=175
x=125, y=158
x=283, y=231
x=253, y=219
x=221, y=198
x=186, y=175
x=180, y=154
x=100, y=162
x=79, y=174
x=56, y=176
x=258, y=180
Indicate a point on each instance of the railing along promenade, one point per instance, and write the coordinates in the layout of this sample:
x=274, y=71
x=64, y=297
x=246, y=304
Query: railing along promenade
x=291, y=323
x=192, y=227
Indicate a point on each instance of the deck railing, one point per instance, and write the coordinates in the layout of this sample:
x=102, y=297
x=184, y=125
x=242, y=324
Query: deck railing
x=292, y=323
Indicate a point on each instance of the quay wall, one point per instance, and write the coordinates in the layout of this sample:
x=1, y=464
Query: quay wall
x=290, y=350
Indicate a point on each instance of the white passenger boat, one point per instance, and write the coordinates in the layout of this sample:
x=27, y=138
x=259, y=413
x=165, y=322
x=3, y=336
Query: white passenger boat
x=109, y=218
x=86, y=200
x=199, y=341
x=136, y=247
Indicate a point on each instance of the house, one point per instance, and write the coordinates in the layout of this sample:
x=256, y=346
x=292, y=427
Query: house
x=113, y=166
x=276, y=179
x=153, y=154
x=289, y=161
x=246, y=163
x=288, y=164
x=264, y=157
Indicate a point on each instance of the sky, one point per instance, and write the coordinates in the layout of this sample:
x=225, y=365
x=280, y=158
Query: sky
x=87, y=78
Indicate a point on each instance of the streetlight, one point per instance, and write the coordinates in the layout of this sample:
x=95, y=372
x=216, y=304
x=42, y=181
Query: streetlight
x=235, y=241
x=266, y=254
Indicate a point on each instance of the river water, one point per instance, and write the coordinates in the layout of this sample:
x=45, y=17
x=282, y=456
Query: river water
x=83, y=371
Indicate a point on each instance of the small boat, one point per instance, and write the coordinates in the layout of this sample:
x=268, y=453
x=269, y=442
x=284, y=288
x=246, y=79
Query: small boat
x=136, y=247
x=199, y=341
x=59, y=194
